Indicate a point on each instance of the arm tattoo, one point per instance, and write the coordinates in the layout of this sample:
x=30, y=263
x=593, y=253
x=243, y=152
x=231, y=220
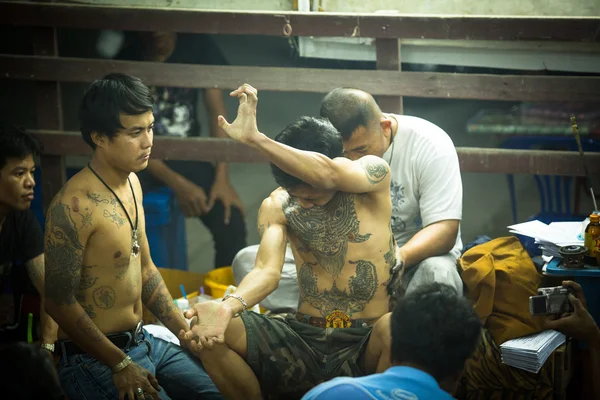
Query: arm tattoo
x=89, y=310
x=375, y=171
x=162, y=307
x=87, y=280
x=85, y=324
x=35, y=270
x=81, y=297
x=326, y=231
x=156, y=296
x=150, y=284
x=64, y=254
x=362, y=290
x=262, y=229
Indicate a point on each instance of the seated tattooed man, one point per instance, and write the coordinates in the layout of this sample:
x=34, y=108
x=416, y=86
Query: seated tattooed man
x=98, y=266
x=336, y=214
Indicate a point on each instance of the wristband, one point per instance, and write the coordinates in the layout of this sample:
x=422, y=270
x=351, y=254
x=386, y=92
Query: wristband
x=238, y=298
x=121, y=366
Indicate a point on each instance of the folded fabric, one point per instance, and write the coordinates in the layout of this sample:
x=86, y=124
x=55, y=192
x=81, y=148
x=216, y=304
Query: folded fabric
x=500, y=276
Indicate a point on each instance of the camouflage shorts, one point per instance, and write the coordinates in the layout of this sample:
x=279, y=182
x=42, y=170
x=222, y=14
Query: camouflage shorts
x=290, y=357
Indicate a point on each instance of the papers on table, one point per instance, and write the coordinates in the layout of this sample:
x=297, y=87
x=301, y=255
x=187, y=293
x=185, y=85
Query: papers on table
x=551, y=237
x=531, y=352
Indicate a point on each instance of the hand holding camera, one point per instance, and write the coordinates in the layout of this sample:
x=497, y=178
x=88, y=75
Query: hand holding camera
x=577, y=323
x=551, y=301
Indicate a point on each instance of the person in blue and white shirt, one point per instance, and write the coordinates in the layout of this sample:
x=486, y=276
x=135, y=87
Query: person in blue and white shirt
x=434, y=331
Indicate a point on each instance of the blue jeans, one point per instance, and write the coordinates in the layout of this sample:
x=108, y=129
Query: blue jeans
x=180, y=375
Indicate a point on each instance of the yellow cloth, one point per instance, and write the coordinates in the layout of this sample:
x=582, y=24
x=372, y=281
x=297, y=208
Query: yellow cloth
x=500, y=277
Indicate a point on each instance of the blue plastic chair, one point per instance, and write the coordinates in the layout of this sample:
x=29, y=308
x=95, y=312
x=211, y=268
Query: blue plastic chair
x=555, y=191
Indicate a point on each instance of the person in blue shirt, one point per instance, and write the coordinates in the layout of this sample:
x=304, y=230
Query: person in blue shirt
x=434, y=331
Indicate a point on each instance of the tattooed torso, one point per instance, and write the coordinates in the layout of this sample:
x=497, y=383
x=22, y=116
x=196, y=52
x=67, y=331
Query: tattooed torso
x=101, y=274
x=343, y=252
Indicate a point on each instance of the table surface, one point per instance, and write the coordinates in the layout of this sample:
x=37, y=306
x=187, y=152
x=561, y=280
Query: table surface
x=554, y=268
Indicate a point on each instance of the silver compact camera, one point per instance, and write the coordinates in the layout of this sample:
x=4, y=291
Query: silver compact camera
x=551, y=300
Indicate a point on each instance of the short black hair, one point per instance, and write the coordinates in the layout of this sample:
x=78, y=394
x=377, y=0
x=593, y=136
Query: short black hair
x=435, y=329
x=348, y=109
x=28, y=373
x=310, y=134
x=16, y=143
x=104, y=101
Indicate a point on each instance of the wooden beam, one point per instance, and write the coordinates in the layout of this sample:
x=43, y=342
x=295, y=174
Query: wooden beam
x=49, y=115
x=500, y=161
x=388, y=58
x=532, y=162
x=583, y=29
x=387, y=83
x=165, y=148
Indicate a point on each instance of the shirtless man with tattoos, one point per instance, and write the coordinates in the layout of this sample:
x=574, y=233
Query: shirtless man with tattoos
x=98, y=266
x=336, y=215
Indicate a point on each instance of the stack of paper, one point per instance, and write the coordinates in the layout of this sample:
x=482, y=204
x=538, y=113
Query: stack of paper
x=551, y=237
x=531, y=352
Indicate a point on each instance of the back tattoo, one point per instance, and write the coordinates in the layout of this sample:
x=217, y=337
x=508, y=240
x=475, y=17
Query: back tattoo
x=326, y=231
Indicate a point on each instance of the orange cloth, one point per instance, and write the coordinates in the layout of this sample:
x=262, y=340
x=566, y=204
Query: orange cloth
x=500, y=277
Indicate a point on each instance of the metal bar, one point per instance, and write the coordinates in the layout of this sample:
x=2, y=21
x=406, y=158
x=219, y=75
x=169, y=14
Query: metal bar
x=584, y=29
x=387, y=83
x=484, y=160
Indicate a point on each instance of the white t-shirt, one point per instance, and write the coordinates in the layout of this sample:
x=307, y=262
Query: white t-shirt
x=426, y=185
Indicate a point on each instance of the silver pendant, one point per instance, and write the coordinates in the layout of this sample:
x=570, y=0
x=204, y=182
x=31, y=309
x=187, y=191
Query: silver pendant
x=135, y=248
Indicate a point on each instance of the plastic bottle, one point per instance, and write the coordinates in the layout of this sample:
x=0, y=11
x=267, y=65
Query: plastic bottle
x=182, y=304
x=592, y=239
x=585, y=223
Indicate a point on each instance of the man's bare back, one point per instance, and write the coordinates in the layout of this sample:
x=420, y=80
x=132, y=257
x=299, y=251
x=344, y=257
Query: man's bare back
x=336, y=214
x=343, y=257
x=110, y=286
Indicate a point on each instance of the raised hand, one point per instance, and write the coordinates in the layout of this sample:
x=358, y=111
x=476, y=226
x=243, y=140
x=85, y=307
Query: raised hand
x=244, y=128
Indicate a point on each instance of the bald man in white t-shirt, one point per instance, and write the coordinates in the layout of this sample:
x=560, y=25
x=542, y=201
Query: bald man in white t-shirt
x=426, y=191
x=426, y=183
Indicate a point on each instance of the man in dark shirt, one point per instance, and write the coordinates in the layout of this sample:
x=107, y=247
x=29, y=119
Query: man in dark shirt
x=21, y=243
x=202, y=189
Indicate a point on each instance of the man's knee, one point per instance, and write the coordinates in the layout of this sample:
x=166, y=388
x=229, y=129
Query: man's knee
x=441, y=269
x=235, y=340
x=382, y=330
x=379, y=347
x=235, y=337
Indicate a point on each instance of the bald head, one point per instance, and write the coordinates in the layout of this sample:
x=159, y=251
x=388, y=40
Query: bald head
x=348, y=109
